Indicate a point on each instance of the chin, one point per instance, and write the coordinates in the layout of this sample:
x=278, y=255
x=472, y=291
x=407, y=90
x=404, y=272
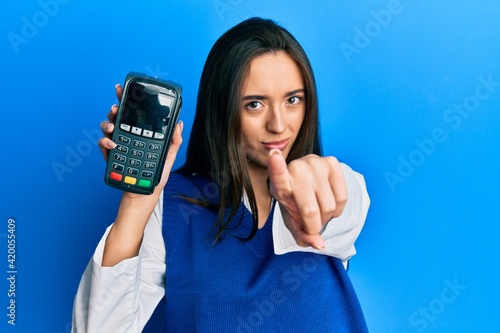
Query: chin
x=260, y=161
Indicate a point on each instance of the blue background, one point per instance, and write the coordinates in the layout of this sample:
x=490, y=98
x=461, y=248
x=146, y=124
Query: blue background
x=392, y=79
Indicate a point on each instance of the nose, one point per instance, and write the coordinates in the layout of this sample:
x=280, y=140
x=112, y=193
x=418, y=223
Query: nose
x=276, y=122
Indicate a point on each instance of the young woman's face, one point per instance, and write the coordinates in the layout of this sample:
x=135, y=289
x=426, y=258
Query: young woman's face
x=273, y=106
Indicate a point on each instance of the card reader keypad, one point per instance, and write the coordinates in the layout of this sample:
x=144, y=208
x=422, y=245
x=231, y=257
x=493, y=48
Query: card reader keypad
x=135, y=158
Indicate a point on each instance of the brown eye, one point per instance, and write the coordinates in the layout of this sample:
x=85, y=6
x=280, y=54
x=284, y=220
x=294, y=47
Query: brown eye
x=253, y=105
x=294, y=100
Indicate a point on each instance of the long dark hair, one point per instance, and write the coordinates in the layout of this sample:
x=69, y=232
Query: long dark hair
x=215, y=147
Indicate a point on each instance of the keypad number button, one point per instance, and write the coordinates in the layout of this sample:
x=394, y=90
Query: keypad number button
x=139, y=144
x=149, y=165
x=152, y=156
x=124, y=139
x=134, y=162
x=132, y=171
x=122, y=149
x=120, y=158
x=154, y=146
x=136, y=153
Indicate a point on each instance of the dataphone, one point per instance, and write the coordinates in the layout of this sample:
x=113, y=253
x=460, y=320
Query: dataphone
x=144, y=126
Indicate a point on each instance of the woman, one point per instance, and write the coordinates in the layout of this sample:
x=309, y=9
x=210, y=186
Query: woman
x=254, y=181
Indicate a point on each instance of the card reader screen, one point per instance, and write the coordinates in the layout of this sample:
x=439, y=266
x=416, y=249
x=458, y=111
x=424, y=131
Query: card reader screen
x=148, y=107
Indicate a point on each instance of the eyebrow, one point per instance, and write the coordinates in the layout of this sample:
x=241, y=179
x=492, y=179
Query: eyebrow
x=288, y=94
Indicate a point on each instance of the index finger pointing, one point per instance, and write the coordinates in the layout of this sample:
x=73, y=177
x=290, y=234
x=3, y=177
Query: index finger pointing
x=278, y=176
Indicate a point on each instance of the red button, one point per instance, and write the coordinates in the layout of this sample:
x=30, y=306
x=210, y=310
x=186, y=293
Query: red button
x=116, y=176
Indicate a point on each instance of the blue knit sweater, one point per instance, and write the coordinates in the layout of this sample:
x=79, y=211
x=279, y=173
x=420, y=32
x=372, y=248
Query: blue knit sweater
x=242, y=286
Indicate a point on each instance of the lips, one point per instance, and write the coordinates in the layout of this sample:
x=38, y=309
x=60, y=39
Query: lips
x=281, y=145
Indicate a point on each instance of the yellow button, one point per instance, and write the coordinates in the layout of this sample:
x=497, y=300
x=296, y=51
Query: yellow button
x=130, y=180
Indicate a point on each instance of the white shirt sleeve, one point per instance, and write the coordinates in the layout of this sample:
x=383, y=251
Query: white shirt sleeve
x=122, y=298
x=340, y=232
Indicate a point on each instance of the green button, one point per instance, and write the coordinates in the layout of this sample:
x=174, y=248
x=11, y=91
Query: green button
x=144, y=183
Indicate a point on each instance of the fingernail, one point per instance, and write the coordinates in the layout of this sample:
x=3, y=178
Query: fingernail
x=181, y=124
x=274, y=151
x=320, y=245
x=111, y=144
x=108, y=126
x=114, y=106
x=117, y=86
